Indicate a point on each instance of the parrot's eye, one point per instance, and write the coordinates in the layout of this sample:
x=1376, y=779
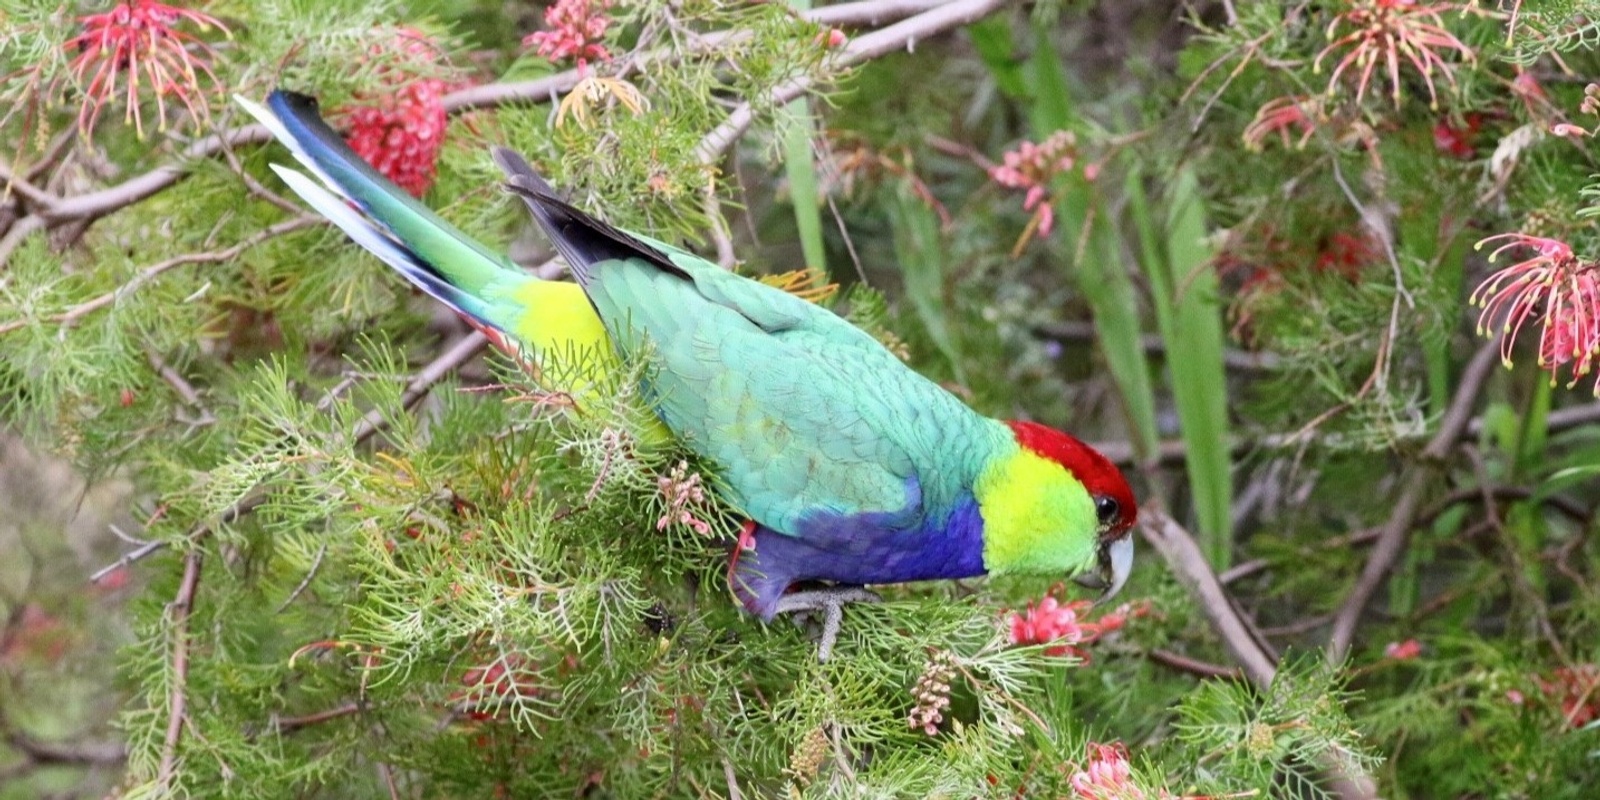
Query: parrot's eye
x=1107, y=510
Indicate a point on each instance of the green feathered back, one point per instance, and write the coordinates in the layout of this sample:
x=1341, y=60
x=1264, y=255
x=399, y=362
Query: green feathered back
x=803, y=411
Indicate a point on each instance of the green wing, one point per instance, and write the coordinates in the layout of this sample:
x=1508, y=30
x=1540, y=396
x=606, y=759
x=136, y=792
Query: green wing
x=802, y=412
x=776, y=409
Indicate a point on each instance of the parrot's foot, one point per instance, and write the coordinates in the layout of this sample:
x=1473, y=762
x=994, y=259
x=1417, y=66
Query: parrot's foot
x=830, y=601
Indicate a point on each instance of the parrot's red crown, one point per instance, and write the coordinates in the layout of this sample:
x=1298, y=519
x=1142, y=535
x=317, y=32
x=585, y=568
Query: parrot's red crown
x=1088, y=465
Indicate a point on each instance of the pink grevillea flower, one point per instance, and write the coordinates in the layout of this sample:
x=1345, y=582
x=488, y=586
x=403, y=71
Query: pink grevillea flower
x=683, y=492
x=400, y=130
x=1282, y=116
x=1106, y=775
x=576, y=28
x=1555, y=287
x=141, y=43
x=1403, y=651
x=1030, y=167
x=1387, y=32
x=1050, y=622
x=1064, y=626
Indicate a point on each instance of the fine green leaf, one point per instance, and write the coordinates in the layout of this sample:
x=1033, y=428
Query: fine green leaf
x=919, y=249
x=1185, y=289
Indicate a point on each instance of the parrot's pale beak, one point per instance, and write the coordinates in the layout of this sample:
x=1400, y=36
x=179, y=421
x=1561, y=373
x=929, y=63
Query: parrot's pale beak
x=1116, y=562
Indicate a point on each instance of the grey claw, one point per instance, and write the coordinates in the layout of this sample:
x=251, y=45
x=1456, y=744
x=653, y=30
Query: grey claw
x=830, y=602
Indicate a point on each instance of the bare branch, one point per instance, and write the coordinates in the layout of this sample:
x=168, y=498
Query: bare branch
x=291, y=724
x=902, y=35
x=1183, y=555
x=1396, y=531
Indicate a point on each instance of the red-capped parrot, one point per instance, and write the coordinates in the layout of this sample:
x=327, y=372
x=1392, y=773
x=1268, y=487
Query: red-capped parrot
x=852, y=468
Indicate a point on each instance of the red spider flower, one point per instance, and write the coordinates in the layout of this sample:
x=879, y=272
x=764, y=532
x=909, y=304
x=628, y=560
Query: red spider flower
x=139, y=44
x=401, y=131
x=1280, y=115
x=576, y=28
x=1115, y=619
x=1387, y=32
x=1578, y=690
x=1555, y=286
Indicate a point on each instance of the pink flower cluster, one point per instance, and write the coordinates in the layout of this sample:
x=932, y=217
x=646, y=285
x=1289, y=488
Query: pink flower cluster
x=1031, y=166
x=576, y=28
x=1063, y=626
x=1402, y=651
x=138, y=41
x=401, y=131
x=1556, y=288
x=1107, y=775
x=1051, y=622
x=682, y=492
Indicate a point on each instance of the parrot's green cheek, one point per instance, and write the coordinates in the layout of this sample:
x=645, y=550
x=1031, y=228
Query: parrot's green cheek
x=1037, y=518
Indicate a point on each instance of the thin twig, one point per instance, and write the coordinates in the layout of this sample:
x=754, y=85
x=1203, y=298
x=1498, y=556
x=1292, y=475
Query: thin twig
x=733, y=780
x=458, y=353
x=53, y=157
x=177, y=699
x=901, y=35
x=181, y=385
x=306, y=581
x=387, y=773
x=1193, y=666
x=291, y=724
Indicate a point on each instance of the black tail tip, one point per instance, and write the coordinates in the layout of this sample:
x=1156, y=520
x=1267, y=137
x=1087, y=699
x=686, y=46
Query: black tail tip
x=520, y=174
x=294, y=101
